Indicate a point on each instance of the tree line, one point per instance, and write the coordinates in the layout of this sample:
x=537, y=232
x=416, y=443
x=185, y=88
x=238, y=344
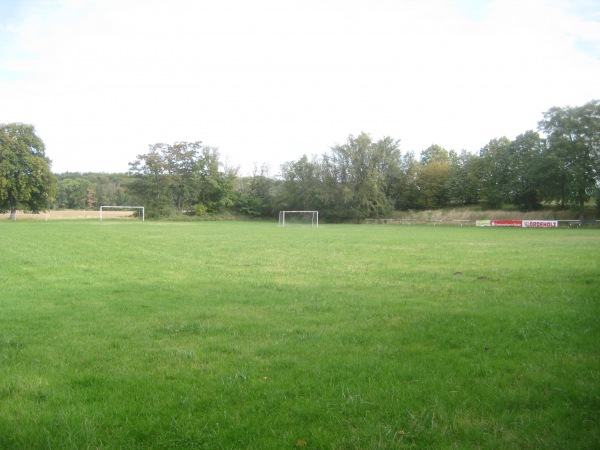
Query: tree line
x=361, y=178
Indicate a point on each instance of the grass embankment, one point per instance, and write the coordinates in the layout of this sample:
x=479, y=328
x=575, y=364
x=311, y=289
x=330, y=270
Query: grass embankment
x=245, y=335
x=465, y=215
x=473, y=214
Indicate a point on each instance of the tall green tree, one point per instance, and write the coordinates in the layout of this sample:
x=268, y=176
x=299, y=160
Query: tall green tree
x=407, y=190
x=523, y=176
x=151, y=183
x=256, y=195
x=215, y=186
x=91, y=190
x=181, y=177
x=435, y=153
x=302, y=187
x=26, y=179
x=73, y=193
x=573, y=147
x=365, y=171
x=463, y=181
x=433, y=176
x=494, y=172
x=181, y=166
x=110, y=189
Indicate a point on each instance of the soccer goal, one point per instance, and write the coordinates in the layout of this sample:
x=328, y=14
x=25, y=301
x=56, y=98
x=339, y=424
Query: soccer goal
x=299, y=218
x=119, y=208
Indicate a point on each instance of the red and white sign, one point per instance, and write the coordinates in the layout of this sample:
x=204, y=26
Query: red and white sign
x=507, y=223
x=540, y=223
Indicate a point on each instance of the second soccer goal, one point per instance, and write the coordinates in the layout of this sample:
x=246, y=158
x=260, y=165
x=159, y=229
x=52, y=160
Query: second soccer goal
x=309, y=218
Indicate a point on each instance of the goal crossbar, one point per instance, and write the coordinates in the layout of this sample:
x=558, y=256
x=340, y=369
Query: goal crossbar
x=141, y=208
x=314, y=217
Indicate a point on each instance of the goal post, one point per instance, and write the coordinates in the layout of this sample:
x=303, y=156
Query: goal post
x=140, y=208
x=299, y=217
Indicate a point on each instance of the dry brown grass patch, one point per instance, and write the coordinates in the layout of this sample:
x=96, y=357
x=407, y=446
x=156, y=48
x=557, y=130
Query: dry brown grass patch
x=71, y=215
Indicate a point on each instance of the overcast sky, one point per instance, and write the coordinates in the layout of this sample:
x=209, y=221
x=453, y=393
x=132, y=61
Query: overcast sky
x=267, y=81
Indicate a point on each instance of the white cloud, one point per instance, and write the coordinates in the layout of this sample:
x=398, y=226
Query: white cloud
x=266, y=81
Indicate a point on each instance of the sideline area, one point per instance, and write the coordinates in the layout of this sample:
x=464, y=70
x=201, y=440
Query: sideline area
x=70, y=214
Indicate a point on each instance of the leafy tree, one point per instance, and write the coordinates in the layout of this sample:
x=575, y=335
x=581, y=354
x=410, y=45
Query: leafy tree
x=355, y=180
x=73, y=193
x=435, y=153
x=433, y=176
x=302, y=187
x=90, y=190
x=257, y=195
x=524, y=178
x=26, y=180
x=90, y=200
x=494, y=172
x=151, y=183
x=463, y=180
x=365, y=171
x=179, y=177
x=109, y=189
x=215, y=187
x=181, y=166
x=407, y=189
x=250, y=204
x=432, y=183
x=573, y=148
x=333, y=195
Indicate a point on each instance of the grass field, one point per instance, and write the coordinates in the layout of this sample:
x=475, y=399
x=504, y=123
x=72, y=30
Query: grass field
x=235, y=335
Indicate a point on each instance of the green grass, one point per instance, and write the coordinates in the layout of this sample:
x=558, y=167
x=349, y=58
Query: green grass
x=246, y=335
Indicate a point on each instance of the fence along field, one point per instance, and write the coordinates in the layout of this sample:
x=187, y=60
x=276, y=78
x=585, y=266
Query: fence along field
x=246, y=335
x=72, y=215
x=130, y=214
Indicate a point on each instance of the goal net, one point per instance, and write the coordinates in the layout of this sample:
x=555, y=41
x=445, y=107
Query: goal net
x=121, y=212
x=307, y=218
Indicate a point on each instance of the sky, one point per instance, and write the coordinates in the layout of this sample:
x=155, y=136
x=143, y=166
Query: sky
x=267, y=81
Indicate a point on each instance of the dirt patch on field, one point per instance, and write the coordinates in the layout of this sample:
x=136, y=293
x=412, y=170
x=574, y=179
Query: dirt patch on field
x=71, y=215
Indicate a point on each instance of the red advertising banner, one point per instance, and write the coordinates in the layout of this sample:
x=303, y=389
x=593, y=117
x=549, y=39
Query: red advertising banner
x=507, y=223
x=540, y=223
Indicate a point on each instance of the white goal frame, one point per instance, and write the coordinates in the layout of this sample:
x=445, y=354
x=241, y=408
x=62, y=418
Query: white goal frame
x=141, y=208
x=314, y=217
